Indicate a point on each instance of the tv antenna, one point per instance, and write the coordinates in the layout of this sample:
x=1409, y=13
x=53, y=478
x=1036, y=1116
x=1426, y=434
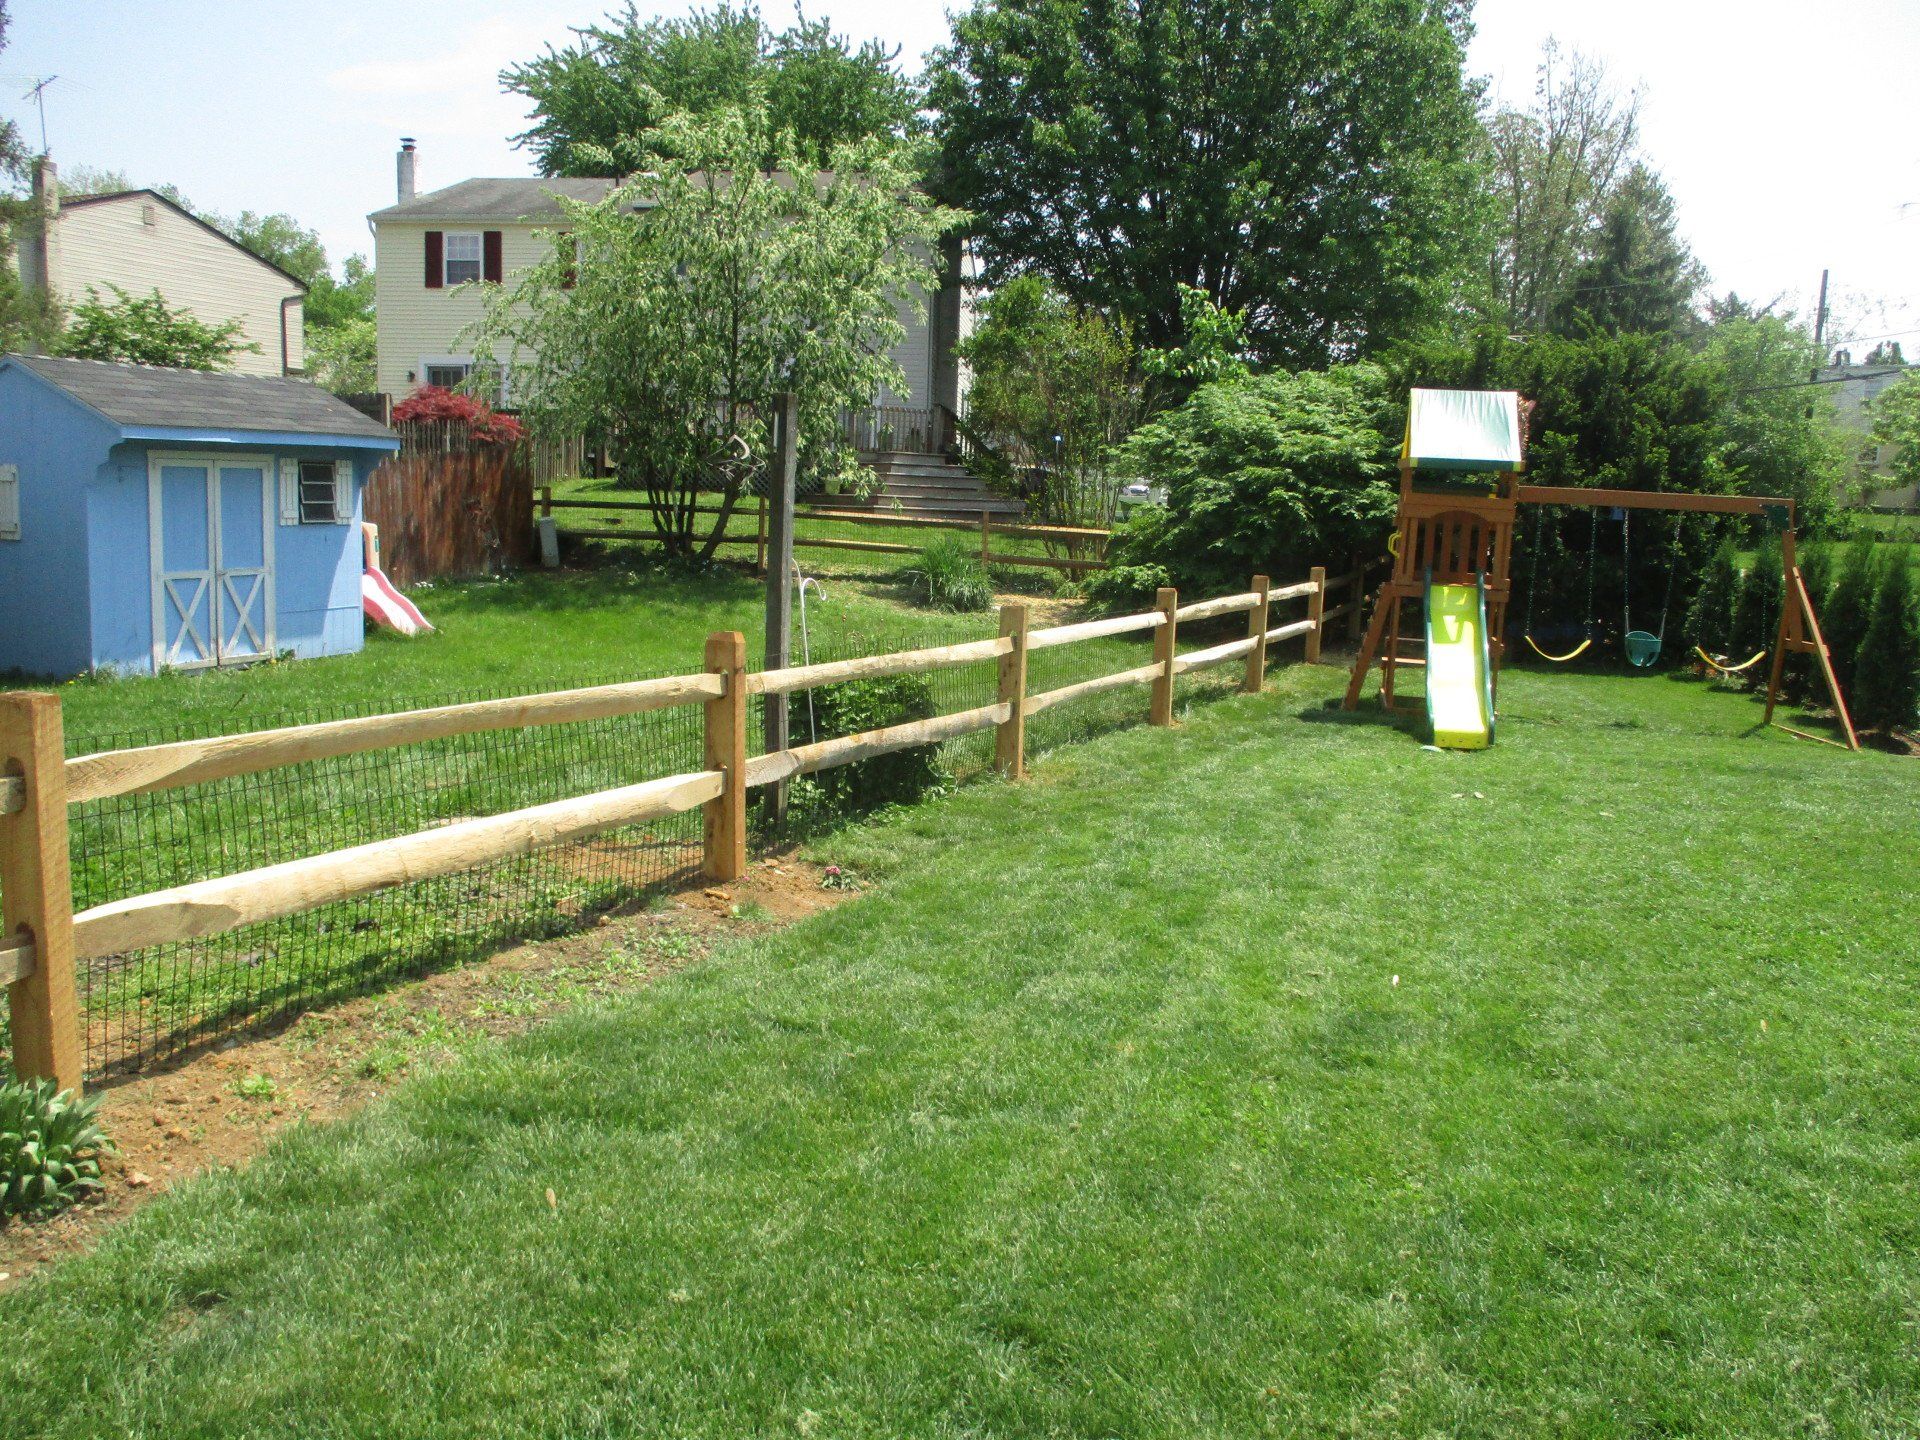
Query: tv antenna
x=38, y=94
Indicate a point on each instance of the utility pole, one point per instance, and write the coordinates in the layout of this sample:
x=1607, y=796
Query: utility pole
x=1820, y=319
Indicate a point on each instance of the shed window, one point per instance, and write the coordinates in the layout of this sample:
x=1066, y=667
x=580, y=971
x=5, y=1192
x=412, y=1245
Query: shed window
x=462, y=256
x=320, y=496
x=9, y=502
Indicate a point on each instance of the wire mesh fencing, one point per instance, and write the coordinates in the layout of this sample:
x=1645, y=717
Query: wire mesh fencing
x=153, y=1005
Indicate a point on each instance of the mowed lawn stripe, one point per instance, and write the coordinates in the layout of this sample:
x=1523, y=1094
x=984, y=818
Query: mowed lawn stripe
x=1102, y=1114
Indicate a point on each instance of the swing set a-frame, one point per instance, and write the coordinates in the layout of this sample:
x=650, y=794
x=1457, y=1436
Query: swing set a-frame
x=1454, y=540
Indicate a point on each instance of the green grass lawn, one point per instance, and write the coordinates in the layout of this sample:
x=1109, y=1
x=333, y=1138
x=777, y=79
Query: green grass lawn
x=532, y=631
x=1272, y=1076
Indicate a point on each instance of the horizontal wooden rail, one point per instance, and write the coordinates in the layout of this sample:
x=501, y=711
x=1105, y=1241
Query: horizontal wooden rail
x=210, y=907
x=1292, y=592
x=870, y=667
x=1047, y=699
x=1287, y=632
x=191, y=762
x=1225, y=605
x=13, y=794
x=815, y=511
x=1214, y=655
x=1055, y=562
x=824, y=754
x=884, y=547
x=16, y=961
x=1651, y=500
x=1093, y=629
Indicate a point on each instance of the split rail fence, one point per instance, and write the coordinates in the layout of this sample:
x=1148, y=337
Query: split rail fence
x=1086, y=545
x=43, y=940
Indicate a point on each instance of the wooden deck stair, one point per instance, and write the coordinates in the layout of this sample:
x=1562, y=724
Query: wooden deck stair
x=926, y=486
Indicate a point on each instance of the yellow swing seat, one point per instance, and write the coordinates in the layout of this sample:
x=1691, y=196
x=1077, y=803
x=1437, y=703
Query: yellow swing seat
x=1716, y=665
x=1559, y=659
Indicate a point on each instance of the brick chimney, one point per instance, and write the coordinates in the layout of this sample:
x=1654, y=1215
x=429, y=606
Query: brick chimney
x=39, y=256
x=404, y=169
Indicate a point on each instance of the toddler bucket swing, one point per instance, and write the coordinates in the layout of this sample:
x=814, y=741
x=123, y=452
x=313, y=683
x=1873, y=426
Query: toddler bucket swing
x=1642, y=648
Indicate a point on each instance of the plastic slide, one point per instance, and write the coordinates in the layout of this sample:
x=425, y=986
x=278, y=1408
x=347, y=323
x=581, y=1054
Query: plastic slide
x=1459, y=689
x=381, y=599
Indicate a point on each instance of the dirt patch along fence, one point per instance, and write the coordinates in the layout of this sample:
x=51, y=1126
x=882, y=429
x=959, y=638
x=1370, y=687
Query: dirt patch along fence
x=450, y=505
x=63, y=963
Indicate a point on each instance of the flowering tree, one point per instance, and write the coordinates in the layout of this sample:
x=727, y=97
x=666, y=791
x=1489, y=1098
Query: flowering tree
x=432, y=403
x=674, y=311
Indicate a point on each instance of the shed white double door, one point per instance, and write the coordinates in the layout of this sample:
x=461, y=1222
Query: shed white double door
x=210, y=522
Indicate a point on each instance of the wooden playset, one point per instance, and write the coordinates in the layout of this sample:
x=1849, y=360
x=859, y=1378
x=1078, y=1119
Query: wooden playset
x=1452, y=553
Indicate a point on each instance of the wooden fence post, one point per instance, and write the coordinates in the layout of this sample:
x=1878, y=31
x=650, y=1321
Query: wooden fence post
x=1010, y=738
x=1316, y=608
x=985, y=547
x=36, y=894
x=725, y=828
x=1257, y=632
x=1166, y=602
x=760, y=541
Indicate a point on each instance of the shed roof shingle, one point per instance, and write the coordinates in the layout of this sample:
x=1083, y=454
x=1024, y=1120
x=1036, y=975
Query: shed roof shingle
x=147, y=396
x=530, y=198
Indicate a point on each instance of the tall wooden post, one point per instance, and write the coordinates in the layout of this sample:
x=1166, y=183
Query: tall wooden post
x=1010, y=737
x=760, y=540
x=781, y=475
x=1789, y=620
x=1167, y=601
x=36, y=894
x=1316, y=608
x=986, y=546
x=725, y=816
x=1257, y=632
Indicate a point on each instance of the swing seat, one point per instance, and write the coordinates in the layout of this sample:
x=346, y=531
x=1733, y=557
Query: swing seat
x=1724, y=669
x=1642, y=648
x=1559, y=659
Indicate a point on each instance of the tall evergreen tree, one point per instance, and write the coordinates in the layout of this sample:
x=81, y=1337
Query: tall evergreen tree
x=1886, y=687
x=1639, y=274
x=1844, y=621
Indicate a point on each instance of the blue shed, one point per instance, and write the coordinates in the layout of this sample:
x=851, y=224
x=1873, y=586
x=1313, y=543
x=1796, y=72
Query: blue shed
x=154, y=518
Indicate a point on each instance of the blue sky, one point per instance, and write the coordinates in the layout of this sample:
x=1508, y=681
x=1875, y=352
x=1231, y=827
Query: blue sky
x=1784, y=129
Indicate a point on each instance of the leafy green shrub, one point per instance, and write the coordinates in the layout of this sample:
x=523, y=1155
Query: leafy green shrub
x=859, y=705
x=1126, y=589
x=949, y=576
x=1886, y=686
x=1264, y=474
x=50, y=1147
x=1843, y=621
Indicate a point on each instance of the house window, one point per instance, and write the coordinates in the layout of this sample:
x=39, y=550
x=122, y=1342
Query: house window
x=319, y=495
x=463, y=256
x=448, y=376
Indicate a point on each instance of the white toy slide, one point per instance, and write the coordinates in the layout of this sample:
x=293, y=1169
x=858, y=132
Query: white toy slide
x=382, y=601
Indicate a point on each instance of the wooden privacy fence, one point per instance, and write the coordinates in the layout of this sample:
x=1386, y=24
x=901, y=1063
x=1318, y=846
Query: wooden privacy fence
x=1075, y=539
x=42, y=940
x=451, y=509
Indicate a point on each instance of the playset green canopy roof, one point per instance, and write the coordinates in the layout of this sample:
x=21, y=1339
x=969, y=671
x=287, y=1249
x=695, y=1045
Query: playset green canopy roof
x=1463, y=430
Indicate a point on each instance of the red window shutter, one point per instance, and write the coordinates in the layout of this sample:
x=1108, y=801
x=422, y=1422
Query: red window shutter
x=436, y=260
x=490, y=256
x=569, y=261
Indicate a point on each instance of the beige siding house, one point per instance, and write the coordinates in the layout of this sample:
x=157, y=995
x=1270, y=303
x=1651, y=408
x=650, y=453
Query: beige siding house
x=141, y=241
x=427, y=246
